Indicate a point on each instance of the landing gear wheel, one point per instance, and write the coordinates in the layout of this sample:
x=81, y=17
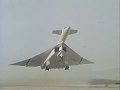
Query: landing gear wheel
x=46, y=68
x=67, y=68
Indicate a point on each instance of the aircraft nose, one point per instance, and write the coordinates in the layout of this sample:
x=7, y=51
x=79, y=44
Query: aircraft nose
x=69, y=27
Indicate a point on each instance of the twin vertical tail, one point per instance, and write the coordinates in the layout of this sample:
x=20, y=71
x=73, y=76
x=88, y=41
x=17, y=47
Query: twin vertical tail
x=58, y=32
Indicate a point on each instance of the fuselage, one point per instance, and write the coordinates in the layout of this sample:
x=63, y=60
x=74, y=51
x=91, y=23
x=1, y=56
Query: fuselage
x=64, y=34
x=62, y=39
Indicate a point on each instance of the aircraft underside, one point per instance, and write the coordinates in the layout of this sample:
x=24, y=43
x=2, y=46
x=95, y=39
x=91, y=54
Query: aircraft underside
x=59, y=56
x=48, y=67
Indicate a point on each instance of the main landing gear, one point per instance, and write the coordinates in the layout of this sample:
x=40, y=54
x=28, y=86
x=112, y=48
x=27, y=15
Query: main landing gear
x=67, y=68
x=46, y=68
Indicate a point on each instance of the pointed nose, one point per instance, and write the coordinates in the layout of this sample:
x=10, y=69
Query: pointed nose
x=69, y=27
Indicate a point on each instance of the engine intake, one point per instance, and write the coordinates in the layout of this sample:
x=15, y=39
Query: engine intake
x=56, y=49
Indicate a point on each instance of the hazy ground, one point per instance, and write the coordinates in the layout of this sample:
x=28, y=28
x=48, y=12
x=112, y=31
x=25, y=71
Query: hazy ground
x=57, y=88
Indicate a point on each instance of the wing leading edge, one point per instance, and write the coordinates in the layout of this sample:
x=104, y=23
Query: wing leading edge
x=35, y=61
x=74, y=58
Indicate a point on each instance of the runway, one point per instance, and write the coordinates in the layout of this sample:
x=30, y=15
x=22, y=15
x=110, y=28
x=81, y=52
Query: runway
x=56, y=88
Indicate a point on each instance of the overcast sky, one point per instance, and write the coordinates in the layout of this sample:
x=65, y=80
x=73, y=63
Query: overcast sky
x=26, y=30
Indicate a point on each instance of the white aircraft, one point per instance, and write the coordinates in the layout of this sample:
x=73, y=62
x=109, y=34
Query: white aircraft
x=60, y=56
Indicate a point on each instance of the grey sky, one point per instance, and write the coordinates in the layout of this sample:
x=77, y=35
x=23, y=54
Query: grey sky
x=26, y=26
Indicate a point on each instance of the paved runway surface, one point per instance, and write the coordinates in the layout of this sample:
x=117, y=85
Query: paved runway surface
x=54, y=88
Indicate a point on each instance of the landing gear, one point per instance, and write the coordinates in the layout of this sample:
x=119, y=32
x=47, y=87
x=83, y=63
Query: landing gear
x=46, y=68
x=67, y=68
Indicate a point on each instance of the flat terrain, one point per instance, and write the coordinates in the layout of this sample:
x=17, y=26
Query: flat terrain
x=57, y=88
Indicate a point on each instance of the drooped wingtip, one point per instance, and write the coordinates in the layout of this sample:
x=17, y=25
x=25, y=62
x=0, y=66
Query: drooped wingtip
x=13, y=64
x=21, y=63
x=85, y=61
x=92, y=63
